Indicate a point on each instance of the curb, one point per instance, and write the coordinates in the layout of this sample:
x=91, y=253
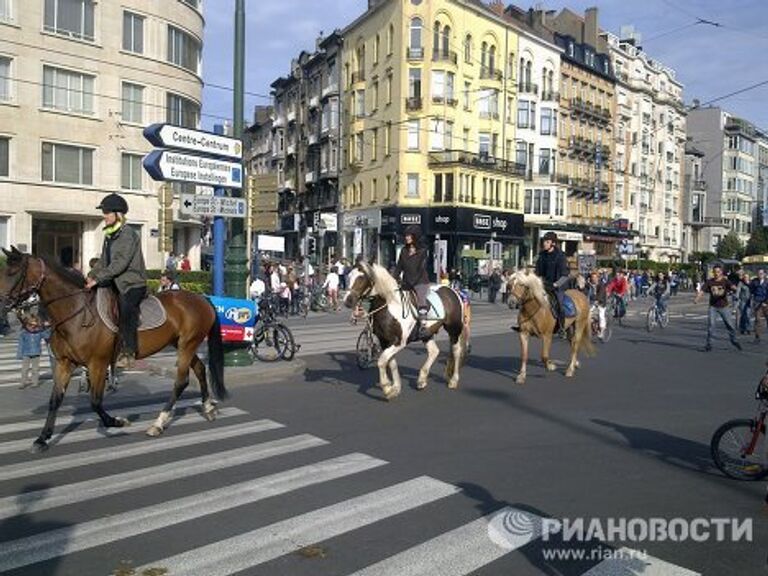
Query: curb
x=259, y=373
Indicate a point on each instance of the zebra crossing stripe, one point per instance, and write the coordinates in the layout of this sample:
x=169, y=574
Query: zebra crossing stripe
x=460, y=551
x=31, y=502
x=62, y=541
x=264, y=544
x=111, y=453
x=65, y=422
x=98, y=433
x=628, y=561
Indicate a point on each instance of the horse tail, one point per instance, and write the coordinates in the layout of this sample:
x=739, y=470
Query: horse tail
x=586, y=334
x=466, y=321
x=216, y=359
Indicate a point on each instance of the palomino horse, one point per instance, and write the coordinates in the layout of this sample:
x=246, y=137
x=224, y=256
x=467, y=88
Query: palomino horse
x=537, y=319
x=393, y=312
x=80, y=338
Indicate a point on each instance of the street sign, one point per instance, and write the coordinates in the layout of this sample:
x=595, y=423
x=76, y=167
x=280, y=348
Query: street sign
x=206, y=205
x=173, y=166
x=169, y=136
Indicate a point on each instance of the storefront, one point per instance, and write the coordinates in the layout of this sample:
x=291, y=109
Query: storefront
x=360, y=233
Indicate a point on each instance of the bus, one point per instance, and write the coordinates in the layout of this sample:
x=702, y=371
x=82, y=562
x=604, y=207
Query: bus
x=751, y=264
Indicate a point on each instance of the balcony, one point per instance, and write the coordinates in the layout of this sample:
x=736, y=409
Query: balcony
x=550, y=96
x=288, y=184
x=479, y=161
x=449, y=101
x=291, y=150
x=414, y=53
x=330, y=90
x=291, y=116
x=489, y=115
x=310, y=178
x=314, y=102
x=358, y=76
x=699, y=185
x=581, y=146
x=491, y=74
x=708, y=221
x=312, y=140
x=527, y=88
x=445, y=56
x=327, y=173
x=413, y=104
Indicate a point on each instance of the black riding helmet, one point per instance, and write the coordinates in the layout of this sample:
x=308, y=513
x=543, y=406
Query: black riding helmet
x=113, y=203
x=415, y=231
x=549, y=236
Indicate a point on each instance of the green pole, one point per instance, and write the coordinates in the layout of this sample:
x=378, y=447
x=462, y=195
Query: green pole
x=236, y=259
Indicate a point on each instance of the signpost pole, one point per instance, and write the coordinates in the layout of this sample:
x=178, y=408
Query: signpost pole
x=219, y=240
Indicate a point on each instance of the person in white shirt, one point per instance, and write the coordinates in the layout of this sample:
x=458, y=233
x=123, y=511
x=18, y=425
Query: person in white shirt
x=331, y=285
x=274, y=280
x=257, y=289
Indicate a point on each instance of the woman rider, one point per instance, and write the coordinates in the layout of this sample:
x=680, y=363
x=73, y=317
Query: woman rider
x=411, y=270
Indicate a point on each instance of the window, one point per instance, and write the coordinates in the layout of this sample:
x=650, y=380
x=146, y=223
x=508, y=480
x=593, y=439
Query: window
x=374, y=144
x=521, y=154
x=69, y=91
x=437, y=134
x=545, y=161
x=183, y=49
x=388, y=139
x=67, y=164
x=5, y=11
x=488, y=104
x=131, y=172
x=467, y=101
x=5, y=145
x=492, y=59
x=484, y=144
x=133, y=102
x=438, y=85
x=413, y=185
x=414, y=82
x=415, y=47
x=73, y=18
x=559, y=203
x=390, y=39
x=388, y=190
x=538, y=201
x=438, y=192
x=468, y=49
x=374, y=190
x=360, y=103
x=413, y=135
x=376, y=47
x=524, y=114
x=5, y=79
x=548, y=122
x=133, y=32
x=375, y=95
x=359, y=147
x=389, y=88
x=182, y=111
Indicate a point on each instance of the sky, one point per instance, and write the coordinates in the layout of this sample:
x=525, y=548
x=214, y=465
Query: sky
x=711, y=61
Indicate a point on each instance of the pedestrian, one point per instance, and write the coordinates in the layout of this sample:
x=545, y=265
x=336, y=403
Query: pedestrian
x=494, y=285
x=758, y=289
x=599, y=299
x=743, y=295
x=170, y=262
x=331, y=286
x=168, y=282
x=186, y=266
x=719, y=289
x=503, y=290
x=29, y=350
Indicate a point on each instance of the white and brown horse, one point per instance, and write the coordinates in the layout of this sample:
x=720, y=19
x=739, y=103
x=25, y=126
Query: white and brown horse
x=536, y=318
x=394, y=319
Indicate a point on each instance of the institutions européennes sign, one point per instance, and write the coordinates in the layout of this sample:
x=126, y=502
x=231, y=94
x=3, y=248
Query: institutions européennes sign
x=197, y=141
x=207, y=205
x=206, y=171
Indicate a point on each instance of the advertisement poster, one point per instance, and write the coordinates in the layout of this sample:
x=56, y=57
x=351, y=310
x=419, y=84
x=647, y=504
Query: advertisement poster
x=237, y=317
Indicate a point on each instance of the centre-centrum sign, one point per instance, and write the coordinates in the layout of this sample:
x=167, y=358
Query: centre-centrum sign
x=197, y=141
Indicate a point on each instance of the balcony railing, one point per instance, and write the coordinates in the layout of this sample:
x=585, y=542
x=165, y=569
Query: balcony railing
x=414, y=53
x=413, y=104
x=491, y=74
x=358, y=76
x=488, y=114
x=445, y=56
x=450, y=101
x=699, y=185
x=527, y=88
x=480, y=161
x=550, y=96
x=330, y=90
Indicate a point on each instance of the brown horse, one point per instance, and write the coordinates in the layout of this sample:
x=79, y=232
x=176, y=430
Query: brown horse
x=394, y=320
x=536, y=319
x=80, y=338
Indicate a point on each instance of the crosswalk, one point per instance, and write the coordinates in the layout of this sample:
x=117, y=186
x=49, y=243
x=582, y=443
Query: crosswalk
x=10, y=366
x=242, y=495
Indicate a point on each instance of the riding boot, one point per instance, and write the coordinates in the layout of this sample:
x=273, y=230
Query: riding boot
x=423, y=332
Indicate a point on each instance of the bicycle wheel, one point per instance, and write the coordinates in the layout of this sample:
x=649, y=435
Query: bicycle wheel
x=364, y=348
x=730, y=448
x=664, y=319
x=267, y=344
x=651, y=321
x=286, y=342
x=608, y=332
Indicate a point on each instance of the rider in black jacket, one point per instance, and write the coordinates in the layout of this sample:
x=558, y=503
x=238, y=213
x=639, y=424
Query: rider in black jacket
x=552, y=268
x=411, y=270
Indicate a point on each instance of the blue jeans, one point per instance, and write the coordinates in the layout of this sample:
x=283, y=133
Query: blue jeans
x=744, y=316
x=661, y=303
x=724, y=314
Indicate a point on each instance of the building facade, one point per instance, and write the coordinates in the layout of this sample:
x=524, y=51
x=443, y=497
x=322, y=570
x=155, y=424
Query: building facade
x=649, y=138
x=695, y=217
x=731, y=168
x=87, y=77
x=429, y=104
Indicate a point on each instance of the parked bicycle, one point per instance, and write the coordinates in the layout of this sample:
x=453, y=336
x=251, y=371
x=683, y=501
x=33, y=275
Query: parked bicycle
x=594, y=319
x=318, y=300
x=657, y=316
x=739, y=447
x=84, y=384
x=272, y=340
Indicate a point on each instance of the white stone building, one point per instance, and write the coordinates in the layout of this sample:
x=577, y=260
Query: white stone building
x=79, y=80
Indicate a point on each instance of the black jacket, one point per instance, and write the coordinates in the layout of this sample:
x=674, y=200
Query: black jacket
x=551, y=266
x=412, y=267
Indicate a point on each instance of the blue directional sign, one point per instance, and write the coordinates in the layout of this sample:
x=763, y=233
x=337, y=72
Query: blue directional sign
x=206, y=171
x=197, y=141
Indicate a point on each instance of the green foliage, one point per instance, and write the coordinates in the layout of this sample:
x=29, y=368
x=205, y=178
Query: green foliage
x=703, y=257
x=730, y=247
x=758, y=242
x=198, y=276
x=196, y=287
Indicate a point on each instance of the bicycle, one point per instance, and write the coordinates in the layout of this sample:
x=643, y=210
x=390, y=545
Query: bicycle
x=739, y=448
x=594, y=322
x=367, y=346
x=272, y=340
x=617, y=308
x=318, y=300
x=657, y=316
x=84, y=384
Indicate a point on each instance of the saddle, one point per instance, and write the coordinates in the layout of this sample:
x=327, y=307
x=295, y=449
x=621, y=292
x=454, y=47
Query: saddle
x=151, y=312
x=569, y=308
x=436, y=309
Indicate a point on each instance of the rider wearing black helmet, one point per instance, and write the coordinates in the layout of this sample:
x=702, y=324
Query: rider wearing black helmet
x=122, y=263
x=552, y=268
x=412, y=271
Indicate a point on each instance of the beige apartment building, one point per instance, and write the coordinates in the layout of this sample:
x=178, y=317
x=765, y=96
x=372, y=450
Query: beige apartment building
x=79, y=80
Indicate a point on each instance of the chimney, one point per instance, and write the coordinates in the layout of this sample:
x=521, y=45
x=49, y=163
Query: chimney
x=590, y=26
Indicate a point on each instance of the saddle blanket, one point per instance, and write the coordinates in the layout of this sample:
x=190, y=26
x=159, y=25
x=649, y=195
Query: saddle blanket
x=569, y=308
x=151, y=312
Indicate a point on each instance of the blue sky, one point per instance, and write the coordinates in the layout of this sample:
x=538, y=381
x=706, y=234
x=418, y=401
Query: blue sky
x=710, y=61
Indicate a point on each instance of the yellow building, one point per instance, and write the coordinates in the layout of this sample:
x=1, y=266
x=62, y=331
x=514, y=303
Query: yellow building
x=428, y=127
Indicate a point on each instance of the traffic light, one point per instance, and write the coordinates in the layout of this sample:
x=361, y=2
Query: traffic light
x=165, y=229
x=311, y=246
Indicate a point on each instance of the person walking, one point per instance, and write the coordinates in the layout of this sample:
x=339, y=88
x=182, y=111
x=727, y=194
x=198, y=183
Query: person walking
x=719, y=289
x=758, y=289
x=331, y=285
x=29, y=350
x=494, y=285
x=743, y=295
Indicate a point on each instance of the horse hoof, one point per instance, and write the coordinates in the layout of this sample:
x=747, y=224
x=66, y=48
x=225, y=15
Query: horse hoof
x=421, y=384
x=520, y=380
x=551, y=367
x=154, y=431
x=210, y=415
x=453, y=385
x=121, y=423
x=569, y=373
x=39, y=446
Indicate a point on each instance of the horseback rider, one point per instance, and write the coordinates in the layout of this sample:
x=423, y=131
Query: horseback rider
x=411, y=270
x=122, y=264
x=552, y=268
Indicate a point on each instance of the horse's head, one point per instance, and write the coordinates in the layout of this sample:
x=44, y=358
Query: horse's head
x=21, y=277
x=516, y=288
x=363, y=285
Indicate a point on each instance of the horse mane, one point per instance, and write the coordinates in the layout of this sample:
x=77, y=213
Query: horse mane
x=68, y=274
x=385, y=284
x=534, y=284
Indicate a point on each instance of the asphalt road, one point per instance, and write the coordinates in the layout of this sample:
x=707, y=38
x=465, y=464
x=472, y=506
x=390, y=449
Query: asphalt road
x=320, y=475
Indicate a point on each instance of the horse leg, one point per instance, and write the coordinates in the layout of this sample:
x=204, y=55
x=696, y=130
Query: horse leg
x=61, y=377
x=575, y=342
x=546, y=347
x=523, y=357
x=432, y=353
x=97, y=373
x=390, y=390
x=454, y=361
x=394, y=373
x=209, y=407
x=183, y=361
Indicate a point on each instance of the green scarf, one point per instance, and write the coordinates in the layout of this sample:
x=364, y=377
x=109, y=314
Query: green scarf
x=111, y=230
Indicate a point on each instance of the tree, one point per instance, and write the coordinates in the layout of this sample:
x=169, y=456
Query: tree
x=758, y=242
x=730, y=247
